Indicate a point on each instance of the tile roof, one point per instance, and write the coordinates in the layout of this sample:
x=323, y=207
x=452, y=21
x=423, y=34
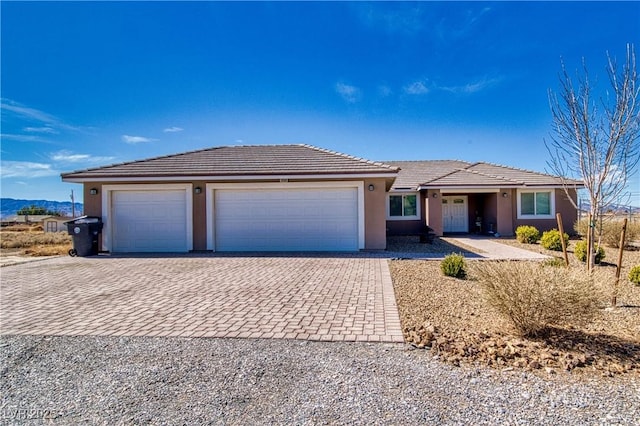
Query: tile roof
x=454, y=173
x=256, y=160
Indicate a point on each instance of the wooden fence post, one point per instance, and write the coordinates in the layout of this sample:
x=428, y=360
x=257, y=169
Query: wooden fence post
x=564, y=243
x=614, y=298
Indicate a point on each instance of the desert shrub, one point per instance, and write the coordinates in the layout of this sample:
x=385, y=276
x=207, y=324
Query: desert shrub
x=634, y=275
x=527, y=234
x=611, y=228
x=554, y=261
x=453, y=265
x=580, y=250
x=551, y=240
x=535, y=297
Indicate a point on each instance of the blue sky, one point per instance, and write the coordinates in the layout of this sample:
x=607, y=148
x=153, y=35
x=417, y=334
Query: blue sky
x=92, y=83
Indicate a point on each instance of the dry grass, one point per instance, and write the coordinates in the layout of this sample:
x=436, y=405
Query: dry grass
x=630, y=256
x=610, y=229
x=30, y=242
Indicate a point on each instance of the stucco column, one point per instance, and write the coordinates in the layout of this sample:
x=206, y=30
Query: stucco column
x=505, y=211
x=375, y=217
x=200, y=216
x=433, y=208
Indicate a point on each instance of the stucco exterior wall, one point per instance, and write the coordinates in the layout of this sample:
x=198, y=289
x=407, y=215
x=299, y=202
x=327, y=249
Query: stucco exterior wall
x=200, y=217
x=414, y=227
x=505, y=213
x=433, y=207
x=375, y=217
x=92, y=203
x=563, y=206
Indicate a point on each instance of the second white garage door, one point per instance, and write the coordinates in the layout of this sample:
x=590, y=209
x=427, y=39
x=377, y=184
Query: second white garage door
x=311, y=219
x=149, y=221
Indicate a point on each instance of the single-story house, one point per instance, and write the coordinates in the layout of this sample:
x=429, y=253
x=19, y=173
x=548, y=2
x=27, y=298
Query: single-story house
x=303, y=198
x=55, y=224
x=25, y=219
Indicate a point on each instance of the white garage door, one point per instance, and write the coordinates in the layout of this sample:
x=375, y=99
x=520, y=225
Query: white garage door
x=149, y=221
x=286, y=220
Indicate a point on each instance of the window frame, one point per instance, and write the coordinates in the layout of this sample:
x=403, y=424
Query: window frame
x=552, y=203
x=417, y=216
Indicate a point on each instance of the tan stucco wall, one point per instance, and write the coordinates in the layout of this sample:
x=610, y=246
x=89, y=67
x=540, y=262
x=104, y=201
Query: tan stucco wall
x=563, y=206
x=375, y=220
x=433, y=207
x=505, y=213
x=200, y=217
x=92, y=203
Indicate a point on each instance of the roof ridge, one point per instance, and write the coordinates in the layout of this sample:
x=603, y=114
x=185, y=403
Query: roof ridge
x=520, y=169
x=521, y=182
x=427, y=161
x=442, y=176
x=350, y=157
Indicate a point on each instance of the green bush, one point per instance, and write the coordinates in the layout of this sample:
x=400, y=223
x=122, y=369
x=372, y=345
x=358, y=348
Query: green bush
x=611, y=228
x=555, y=262
x=580, y=250
x=453, y=265
x=634, y=275
x=527, y=234
x=551, y=240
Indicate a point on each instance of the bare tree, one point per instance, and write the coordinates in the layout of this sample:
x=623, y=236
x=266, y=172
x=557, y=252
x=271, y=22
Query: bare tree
x=596, y=140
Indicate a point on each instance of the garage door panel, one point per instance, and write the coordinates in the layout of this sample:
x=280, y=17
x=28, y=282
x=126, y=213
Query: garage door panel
x=149, y=221
x=286, y=220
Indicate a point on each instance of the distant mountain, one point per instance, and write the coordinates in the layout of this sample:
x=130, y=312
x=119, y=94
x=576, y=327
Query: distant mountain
x=9, y=206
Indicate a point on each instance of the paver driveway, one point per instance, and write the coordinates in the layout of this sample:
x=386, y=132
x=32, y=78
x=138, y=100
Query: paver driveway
x=338, y=298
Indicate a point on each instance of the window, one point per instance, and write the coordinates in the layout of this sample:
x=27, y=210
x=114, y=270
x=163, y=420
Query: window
x=403, y=207
x=536, y=204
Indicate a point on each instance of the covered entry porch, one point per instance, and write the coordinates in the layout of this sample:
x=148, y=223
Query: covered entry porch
x=482, y=212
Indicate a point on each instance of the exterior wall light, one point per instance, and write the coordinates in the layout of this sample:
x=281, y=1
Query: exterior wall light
x=435, y=195
x=197, y=190
x=505, y=195
x=371, y=187
x=93, y=191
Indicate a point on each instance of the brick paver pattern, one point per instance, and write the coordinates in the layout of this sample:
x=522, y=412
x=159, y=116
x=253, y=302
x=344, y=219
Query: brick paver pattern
x=337, y=298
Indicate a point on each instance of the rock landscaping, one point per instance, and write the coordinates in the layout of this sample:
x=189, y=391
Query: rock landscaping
x=450, y=318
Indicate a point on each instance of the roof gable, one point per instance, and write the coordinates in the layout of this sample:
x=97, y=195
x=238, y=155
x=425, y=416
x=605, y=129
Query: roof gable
x=255, y=160
x=452, y=173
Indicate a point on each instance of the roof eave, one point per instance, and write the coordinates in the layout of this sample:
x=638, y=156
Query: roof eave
x=225, y=177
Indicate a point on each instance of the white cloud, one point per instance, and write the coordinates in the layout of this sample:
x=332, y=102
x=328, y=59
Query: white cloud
x=473, y=87
x=173, y=129
x=23, y=138
x=349, y=93
x=33, y=114
x=46, y=129
x=136, y=139
x=26, y=169
x=69, y=157
x=384, y=91
x=392, y=17
x=416, y=88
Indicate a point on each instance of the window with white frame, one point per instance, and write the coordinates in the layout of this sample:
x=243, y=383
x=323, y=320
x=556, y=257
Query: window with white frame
x=403, y=207
x=539, y=204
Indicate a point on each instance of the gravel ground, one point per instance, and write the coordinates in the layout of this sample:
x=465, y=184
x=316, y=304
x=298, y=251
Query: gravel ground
x=111, y=380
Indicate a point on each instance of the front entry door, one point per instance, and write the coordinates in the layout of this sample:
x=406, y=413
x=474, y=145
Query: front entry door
x=455, y=215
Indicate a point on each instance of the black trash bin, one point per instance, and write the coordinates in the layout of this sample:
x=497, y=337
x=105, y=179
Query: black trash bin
x=85, y=231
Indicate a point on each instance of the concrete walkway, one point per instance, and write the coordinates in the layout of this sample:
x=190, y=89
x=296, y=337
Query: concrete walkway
x=330, y=298
x=491, y=249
